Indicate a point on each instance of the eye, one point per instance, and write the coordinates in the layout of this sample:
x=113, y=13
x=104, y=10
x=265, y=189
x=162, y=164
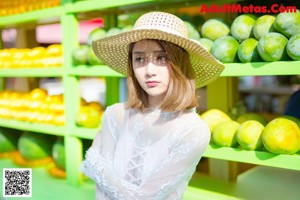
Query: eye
x=139, y=59
x=162, y=58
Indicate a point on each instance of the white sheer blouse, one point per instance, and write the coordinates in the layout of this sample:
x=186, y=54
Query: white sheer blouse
x=148, y=155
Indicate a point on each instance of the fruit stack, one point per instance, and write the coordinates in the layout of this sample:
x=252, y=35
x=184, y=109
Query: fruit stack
x=251, y=131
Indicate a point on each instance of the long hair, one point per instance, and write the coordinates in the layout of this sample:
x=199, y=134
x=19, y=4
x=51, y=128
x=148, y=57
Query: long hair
x=181, y=92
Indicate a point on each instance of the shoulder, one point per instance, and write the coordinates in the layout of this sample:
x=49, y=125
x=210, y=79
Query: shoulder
x=116, y=112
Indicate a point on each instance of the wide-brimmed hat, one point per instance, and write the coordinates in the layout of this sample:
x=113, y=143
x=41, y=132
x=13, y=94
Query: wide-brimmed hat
x=113, y=50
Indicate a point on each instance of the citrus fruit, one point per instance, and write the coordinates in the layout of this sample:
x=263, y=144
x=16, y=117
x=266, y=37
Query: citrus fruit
x=192, y=31
x=213, y=117
x=206, y=43
x=292, y=47
x=58, y=153
x=281, y=136
x=8, y=139
x=249, y=135
x=225, y=49
x=247, y=51
x=271, y=47
x=224, y=134
x=127, y=28
x=292, y=118
x=214, y=29
x=35, y=145
x=241, y=27
x=263, y=25
x=92, y=59
x=113, y=31
x=88, y=117
x=96, y=34
x=252, y=116
x=288, y=23
x=79, y=55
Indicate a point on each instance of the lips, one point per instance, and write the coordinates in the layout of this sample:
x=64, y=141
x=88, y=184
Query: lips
x=152, y=83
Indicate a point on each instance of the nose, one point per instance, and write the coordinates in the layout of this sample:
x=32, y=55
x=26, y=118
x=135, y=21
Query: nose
x=150, y=69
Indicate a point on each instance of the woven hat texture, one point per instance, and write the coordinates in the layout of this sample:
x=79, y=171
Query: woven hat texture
x=113, y=50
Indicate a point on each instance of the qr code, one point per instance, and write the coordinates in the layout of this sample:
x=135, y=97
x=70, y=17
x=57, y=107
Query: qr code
x=17, y=182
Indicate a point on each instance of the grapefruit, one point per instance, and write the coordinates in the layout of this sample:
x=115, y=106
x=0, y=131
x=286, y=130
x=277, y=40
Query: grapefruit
x=213, y=117
x=241, y=27
x=248, y=135
x=292, y=47
x=288, y=23
x=271, y=47
x=214, y=29
x=252, y=116
x=281, y=136
x=224, y=134
x=206, y=43
x=225, y=49
x=247, y=51
x=263, y=25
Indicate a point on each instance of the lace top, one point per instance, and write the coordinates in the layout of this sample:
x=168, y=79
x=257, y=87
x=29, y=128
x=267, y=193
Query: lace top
x=148, y=155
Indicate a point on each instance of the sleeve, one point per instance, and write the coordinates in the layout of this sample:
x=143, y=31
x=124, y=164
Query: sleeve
x=176, y=169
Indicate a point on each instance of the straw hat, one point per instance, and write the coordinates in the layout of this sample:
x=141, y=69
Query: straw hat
x=113, y=50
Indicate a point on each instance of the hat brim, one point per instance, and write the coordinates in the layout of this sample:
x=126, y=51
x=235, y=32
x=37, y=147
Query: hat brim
x=113, y=51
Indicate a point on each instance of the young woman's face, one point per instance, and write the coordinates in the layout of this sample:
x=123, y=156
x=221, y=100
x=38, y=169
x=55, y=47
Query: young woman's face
x=151, y=69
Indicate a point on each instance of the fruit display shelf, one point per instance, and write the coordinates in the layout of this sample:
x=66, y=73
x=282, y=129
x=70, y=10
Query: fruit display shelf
x=40, y=16
x=32, y=72
x=254, y=157
x=99, y=70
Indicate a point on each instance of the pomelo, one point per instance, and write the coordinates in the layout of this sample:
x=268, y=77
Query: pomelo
x=225, y=49
x=249, y=135
x=213, y=117
x=35, y=145
x=281, y=136
x=247, y=51
x=271, y=47
x=293, y=47
x=241, y=27
x=292, y=118
x=252, y=116
x=214, y=29
x=96, y=34
x=192, y=31
x=224, y=134
x=9, y=139
x=263, y=25
x=206, y=43
x=58, y=153
x=288, y=23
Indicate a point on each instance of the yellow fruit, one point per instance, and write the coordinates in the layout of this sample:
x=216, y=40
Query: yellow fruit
x=251, y=116
x=88, y=117
x=249, y=135
x=224, y=134
x=213, y=117
x=281, y=136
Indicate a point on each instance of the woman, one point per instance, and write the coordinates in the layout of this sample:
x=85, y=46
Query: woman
x=148, y=148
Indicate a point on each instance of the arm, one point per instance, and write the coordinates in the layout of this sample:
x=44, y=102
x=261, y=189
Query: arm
x=175, y=170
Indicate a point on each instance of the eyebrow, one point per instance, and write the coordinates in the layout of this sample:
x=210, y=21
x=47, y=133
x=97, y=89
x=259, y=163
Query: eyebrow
x=143, y=52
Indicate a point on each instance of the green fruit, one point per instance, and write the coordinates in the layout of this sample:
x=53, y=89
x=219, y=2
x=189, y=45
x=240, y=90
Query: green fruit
x=192, y=31
x=79, y=55
x=96, y=34
x=88, y=117
x=92, y=59
x=294, y=119
x=247, y=51
x=35, y=145
x=58, y=153
x=224, y=134
x=214, y=29
x=293, y=47
x=241, y=27
x=225, y=49
x=263, y=26
x=127, y=28
x=281, y=136
x=288, y=23
x=249, y=135
x=9, y=139
x=252, y=116
x=271, y=47
x=206, y=43
x=213, y=117
x=113, y=31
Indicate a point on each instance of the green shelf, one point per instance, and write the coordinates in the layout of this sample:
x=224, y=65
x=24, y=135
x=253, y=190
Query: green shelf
x=32, y=72
x=99, y=70
x=35, y=127
x=41, y=16
x=254, y=157
x=85, y=133
x=262, y=68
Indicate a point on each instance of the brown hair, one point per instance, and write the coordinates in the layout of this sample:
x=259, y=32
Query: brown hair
x=181, y=92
